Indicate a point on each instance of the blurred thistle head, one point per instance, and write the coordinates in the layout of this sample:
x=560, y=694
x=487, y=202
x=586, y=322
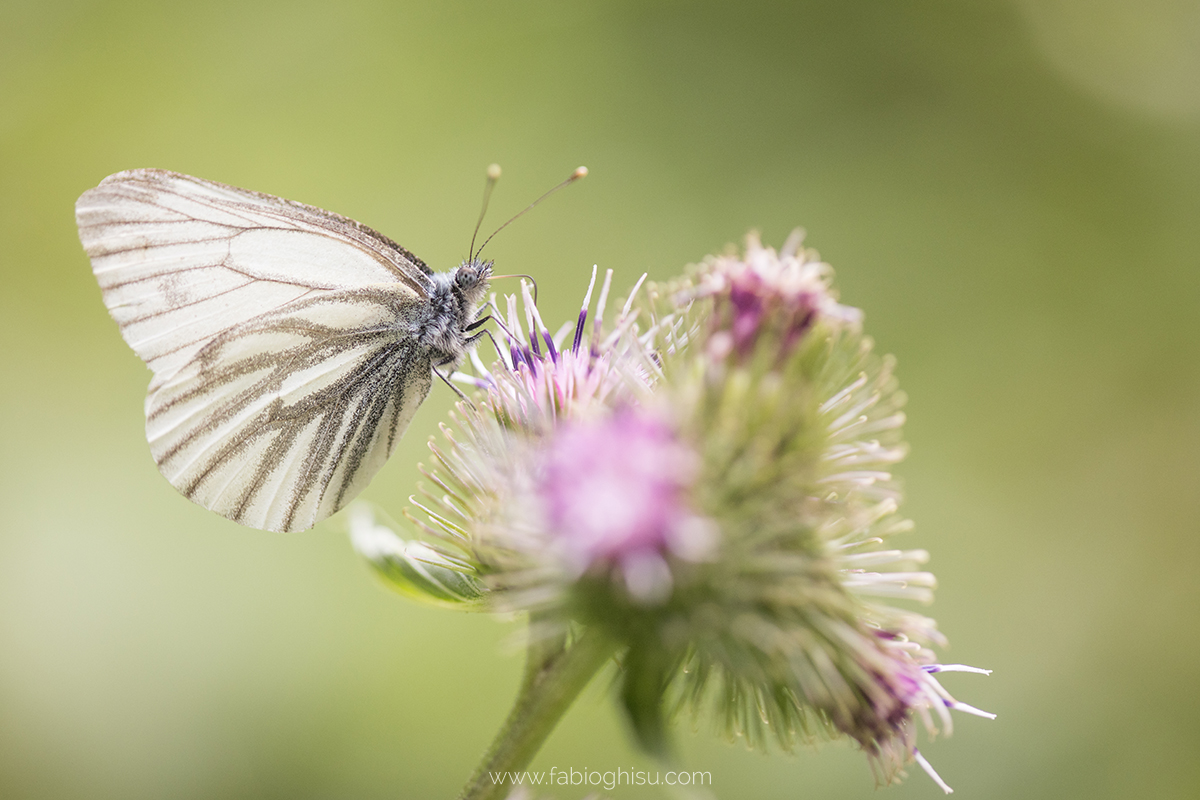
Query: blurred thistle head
x=767, y=297
x=710, y=484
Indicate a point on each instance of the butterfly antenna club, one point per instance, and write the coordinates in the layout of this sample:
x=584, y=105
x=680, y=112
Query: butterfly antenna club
x=493, y=175
x=580, y=172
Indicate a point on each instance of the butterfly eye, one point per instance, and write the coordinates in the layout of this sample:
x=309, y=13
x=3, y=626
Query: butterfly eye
x=465, y=276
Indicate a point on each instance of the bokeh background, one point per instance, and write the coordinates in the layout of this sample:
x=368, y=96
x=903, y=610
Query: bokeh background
x=1010, y=190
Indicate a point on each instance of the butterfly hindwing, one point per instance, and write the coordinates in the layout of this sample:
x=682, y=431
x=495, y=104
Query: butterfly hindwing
x=276, y=423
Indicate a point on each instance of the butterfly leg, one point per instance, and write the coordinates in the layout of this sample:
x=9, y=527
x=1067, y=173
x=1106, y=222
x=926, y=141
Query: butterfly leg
x=453, y=388
x=485, y=332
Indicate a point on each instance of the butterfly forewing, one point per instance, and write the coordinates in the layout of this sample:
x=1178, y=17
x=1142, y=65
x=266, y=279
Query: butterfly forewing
x=282, y=340
x=181, y=259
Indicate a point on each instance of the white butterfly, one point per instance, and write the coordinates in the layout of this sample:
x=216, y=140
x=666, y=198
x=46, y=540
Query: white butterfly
x=290, y=346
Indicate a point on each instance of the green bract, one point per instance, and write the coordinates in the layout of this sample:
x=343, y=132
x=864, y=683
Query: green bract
x=413, y=568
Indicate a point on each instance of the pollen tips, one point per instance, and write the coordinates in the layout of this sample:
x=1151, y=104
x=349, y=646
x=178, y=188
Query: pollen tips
x=580, y=172
x=493, y=172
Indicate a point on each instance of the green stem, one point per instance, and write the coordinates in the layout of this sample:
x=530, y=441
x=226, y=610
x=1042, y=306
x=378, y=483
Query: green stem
x=552, y=682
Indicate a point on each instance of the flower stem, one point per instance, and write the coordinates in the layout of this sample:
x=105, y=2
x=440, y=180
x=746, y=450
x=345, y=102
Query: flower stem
x=553, y=679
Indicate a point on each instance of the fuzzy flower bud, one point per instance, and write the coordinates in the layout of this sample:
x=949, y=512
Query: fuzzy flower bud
x=768, y=294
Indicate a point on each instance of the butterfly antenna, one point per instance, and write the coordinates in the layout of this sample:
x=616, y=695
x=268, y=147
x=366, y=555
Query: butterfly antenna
x=580, y=172
x=493, y=175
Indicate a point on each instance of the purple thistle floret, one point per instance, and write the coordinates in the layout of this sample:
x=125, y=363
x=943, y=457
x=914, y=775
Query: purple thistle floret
x=532, y=388
x=764, y=294
x=754, y=301
x=614, y=491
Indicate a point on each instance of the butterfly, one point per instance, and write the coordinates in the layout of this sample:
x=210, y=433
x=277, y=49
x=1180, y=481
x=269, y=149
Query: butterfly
x=290, y=345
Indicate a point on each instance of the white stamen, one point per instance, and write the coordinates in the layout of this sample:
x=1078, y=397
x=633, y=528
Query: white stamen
x=843, y=394
x=852, y=453
x=633, y=294
x=865, y=477
x=561, y=334
x=536, y=314
x=931, y=772
x=862, y=543
x=885, y=557
x=791, y=245
x=898, y=590
x=966, y=709
x=514, y=323
x=587, y=298
x=937, y=697
x=907, y=578
x=857, y=411
x=469, y=379
x=956, y=668
x=530, y=310
x=885, y=424
x=601, y=302
x=837, y=432
x=477, y=363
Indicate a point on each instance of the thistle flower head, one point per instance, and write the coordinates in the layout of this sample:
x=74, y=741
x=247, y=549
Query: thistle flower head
x=711, y=484
x=768, y=293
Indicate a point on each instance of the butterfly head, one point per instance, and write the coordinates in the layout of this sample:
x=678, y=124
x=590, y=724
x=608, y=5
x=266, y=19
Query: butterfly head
x=471, y=282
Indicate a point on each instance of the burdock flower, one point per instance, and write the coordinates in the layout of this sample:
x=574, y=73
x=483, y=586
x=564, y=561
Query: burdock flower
x=704, y=492
x=798, y=425
x=764, y=294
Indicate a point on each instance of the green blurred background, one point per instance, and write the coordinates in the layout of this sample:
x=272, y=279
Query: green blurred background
x=1009, y=190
